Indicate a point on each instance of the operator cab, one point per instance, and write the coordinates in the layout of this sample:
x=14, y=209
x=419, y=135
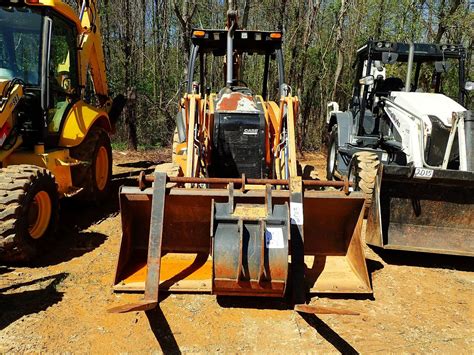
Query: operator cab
x=381, y=68
x=239, y=122
x=426, y=69
x=209, y=44
x=38, y=49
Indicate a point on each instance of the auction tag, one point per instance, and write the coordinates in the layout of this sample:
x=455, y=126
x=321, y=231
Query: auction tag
x=296, y=213
x=274, y=238
x=423, y=173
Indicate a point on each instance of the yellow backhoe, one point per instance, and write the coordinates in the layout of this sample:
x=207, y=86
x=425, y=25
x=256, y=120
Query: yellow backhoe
x=233, y=216
x=52, y=143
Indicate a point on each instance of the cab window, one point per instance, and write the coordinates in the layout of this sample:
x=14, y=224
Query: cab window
x=63, y=71
x=63, y=60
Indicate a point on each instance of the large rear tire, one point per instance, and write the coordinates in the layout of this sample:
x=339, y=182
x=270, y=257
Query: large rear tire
x=29, y=212
x=363, y=170
x=95, y=174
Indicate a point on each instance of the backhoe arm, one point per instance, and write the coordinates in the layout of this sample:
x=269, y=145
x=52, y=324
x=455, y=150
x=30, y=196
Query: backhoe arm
x=92, y=54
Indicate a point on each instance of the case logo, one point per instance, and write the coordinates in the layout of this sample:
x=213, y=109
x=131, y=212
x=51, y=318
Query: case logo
x=251, y=131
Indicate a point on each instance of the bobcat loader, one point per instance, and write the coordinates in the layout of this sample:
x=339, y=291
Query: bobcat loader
x=409, y=146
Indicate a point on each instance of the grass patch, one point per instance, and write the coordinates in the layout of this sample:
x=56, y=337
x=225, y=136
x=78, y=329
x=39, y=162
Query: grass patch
x=119, y=146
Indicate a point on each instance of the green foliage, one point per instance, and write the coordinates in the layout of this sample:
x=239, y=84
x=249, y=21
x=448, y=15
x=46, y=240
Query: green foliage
x=146, y=50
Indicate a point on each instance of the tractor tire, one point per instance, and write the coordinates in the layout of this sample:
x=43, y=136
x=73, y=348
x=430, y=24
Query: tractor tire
x=331, y=163
x=95, y=173
x=363, y=172
x=29, y=212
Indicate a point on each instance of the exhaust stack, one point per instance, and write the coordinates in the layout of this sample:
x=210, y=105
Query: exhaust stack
x=231, y=26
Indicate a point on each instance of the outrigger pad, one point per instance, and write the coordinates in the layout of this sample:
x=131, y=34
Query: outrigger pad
x=332, y=226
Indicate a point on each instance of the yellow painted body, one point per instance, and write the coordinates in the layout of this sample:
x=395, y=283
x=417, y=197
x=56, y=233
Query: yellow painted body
x=42, y=201
x=80, y=118
x=78, y=122
x=7, y=114
x=60, y=8
x=202, y=109
x=7, y=108
x=57, y=161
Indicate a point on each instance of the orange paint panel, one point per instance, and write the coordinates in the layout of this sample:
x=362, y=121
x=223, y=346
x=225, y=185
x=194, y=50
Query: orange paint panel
x=174, y=268
x=236, y=101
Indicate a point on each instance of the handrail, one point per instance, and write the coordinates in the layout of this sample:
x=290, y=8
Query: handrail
x=143, y=179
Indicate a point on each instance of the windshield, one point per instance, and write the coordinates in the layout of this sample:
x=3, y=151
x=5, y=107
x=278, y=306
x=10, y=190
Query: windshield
x=20, y=44
x=425, y=77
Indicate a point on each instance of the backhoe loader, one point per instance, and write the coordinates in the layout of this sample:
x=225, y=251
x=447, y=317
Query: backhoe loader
x=52, y=143
x=235, y=217
x=409, y=145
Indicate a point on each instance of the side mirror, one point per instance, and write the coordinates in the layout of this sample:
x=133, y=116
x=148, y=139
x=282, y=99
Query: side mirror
x=469, y=85
x=367, y=80
x=389, y=57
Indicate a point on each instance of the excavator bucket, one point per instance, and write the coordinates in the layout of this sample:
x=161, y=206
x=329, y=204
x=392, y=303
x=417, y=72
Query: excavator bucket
x=433, y=215
x=230, y=241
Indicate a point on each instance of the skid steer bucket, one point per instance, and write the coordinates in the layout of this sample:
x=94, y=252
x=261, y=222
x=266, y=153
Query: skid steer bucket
x=240, y=242
x=434, y=216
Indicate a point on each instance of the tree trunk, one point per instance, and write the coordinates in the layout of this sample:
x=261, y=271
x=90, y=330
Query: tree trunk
x=340, y=51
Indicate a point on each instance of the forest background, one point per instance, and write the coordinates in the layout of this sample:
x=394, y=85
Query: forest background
x=146, y=44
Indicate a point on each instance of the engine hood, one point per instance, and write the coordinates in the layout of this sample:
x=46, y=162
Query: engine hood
x=236, y=100
x=427, y=104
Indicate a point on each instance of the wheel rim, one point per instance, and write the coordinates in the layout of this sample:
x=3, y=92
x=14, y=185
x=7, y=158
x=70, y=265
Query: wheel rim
x=101, y=168
x=39, y=215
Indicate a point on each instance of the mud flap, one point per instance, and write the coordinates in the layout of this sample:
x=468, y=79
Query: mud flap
x=333, y=253
x=433, y=216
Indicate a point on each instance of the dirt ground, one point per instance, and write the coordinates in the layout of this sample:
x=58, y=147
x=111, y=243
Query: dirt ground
x=421, y=303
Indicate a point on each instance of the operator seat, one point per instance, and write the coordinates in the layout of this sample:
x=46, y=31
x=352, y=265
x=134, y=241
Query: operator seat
x=384, y=87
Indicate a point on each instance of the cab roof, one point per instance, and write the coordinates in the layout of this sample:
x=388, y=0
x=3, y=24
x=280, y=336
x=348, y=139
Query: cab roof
x=424, y=52
x=56, y=5
x=215, y=41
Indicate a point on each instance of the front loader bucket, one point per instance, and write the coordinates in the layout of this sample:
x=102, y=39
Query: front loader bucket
x=433, y=216
x=334, y=253
x=223, y=242
x=186, y=242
